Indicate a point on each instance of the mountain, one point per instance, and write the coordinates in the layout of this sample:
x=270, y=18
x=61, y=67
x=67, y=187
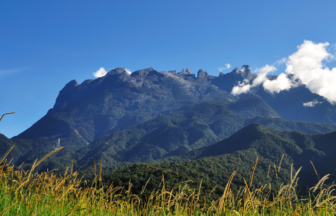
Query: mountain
x=120, y=100
x=114, y=113
x=191, y=127
x=85, y=112
x=215, y=163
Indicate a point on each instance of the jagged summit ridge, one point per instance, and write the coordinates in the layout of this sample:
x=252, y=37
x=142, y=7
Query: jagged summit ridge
x=147, y=78
x=120, y=100
x=245, y=72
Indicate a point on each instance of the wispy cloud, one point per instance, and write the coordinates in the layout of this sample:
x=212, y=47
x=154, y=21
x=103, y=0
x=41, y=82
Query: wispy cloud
x=227, y=66
x=10, y=71
x=280, y=61
x=311, y=103
x=100, y=73
x=128, y=71
x=306, y=65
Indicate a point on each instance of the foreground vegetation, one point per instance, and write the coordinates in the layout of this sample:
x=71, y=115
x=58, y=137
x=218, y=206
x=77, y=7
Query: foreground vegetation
x=31, y=193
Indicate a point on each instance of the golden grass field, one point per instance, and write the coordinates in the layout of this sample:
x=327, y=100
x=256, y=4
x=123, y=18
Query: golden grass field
x=31, y=193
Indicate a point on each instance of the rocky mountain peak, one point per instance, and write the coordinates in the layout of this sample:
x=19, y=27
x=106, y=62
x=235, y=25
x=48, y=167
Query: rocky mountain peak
x=245, y=68
x=70, y=85
x=185, y=72
x=245, y=72
x=202, y=75
x=116, y=71
x=144, y=72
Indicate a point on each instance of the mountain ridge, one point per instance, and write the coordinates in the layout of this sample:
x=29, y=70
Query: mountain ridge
x=191, y=127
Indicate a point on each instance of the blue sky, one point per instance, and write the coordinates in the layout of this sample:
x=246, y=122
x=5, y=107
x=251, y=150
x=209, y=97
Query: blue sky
x=45, y=44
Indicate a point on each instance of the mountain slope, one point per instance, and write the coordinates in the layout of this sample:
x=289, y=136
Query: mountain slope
x=252, y=107
x=215, y=163
x=279, y=124
x=191, y=127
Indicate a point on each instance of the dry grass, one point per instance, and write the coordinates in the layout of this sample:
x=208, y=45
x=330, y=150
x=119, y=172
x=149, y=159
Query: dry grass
x=28, y=193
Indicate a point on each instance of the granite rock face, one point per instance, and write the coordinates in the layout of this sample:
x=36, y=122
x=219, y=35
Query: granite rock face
x=202, y=75
x=120, y=100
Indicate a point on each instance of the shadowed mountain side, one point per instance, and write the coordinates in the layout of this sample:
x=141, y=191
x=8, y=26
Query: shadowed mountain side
x=279, y=124
x=252, y=107
x=298, y=148
x=215, y=163
x=35, y=147
x=30, y=149
x=191, y=127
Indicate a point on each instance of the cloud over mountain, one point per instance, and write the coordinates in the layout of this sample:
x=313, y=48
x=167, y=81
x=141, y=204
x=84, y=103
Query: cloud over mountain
x=100, y=73
x=306, y=66
x=227, y=66
x=311, y=103
x=245, y=87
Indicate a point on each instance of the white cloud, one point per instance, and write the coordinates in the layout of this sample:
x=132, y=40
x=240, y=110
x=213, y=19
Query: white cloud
x=100, y=73
x=307, y=66
x=281, y=61
x=279, y=84
x=245, y=87
x=227, y=66
x=311, y=103
x=10, y=71
x=128, y=71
